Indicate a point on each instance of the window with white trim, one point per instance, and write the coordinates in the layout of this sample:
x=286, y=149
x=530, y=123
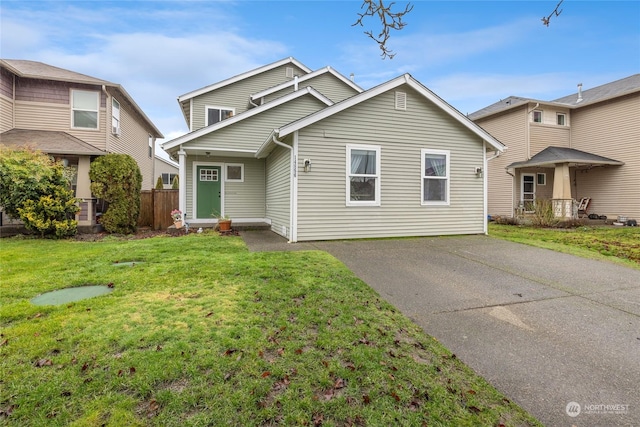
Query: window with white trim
x=115, y=117
x=167, y=178
x=561, y=119
x=235, y=172
x=541, y=178
x=84, y=109
x=537, y=116
x=209, y=175
x=217, y=114
x=435, y=177
x=363, y=175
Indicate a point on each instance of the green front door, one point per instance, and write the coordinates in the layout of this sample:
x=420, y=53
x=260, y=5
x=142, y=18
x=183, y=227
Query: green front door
x=209, y=191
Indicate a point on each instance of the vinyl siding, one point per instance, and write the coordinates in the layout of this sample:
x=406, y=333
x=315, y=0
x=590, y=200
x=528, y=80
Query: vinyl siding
x=610, y=129
x=543, y=136
x=327, y=84
x=237, y=95
x=278, y=186
x=510, y=129
x=6, y=83
x=6, y=114
x=250, y=133
x=241, y=199
x=322, y=210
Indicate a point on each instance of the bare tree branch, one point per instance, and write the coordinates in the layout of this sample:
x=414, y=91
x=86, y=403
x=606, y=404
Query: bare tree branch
x=556, y=12
x=390, y=21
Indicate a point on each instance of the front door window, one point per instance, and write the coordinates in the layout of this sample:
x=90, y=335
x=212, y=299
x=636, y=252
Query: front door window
x=528, y=190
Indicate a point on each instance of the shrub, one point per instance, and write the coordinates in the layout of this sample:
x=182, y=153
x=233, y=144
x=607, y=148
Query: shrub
x=544, y=215
x=175, y=185
x=37, y=190
x=159, y=183
x=116, y=178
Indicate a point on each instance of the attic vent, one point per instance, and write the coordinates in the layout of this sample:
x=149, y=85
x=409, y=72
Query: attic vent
x=401, y=101
x=289, y=72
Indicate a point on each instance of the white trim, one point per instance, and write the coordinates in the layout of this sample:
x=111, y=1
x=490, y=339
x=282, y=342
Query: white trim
x=485, y=188
x=377, y=176
x=244, y=115
x=391, y=84
x=97, y=110
x=293, y=233
x=534, y=181
x=191, y=115
x=243, y=76
x=227, y=179
x=194, y=189
x=220, y=109
x=447, y=154
x=117, y=129
x=304, y=78
x=538, y=180
x=182, y=181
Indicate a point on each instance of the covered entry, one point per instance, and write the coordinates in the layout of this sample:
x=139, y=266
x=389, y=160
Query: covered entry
x=561, y=160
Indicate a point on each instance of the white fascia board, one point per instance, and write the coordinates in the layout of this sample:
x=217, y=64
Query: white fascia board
x=304, y=78
x=243, y=76
x=384, y=87
x=244, y=115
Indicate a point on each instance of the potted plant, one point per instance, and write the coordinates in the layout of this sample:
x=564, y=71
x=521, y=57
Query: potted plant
x=176, y=215
x=224, y=222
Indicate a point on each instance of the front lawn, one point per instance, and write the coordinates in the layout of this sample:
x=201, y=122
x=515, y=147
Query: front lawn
x=198, y=331
x=616, y=244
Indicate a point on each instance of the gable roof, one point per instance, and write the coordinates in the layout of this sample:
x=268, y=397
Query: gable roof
x=38, y=70
x=245, y=115
x=303, y=79
x=601, y=93
x=375, y=91
x=550, y=156
x=50, y=142
x=243, y=76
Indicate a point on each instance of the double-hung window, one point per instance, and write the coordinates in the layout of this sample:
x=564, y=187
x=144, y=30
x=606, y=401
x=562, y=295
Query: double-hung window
x=435, y=177
x=217, y=114
x=363, y=175
x=84, y=109
x=115, y=117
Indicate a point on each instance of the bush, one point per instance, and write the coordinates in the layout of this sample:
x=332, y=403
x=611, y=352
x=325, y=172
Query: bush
x=544, y=215
x=159, y=183
x=37, y=190
x=175, y=185
x=116, y=178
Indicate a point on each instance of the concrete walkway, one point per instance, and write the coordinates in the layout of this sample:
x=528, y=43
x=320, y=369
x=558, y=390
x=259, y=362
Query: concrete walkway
x=555, y=333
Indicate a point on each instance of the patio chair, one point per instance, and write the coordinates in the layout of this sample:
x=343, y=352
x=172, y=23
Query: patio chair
x=583, y=207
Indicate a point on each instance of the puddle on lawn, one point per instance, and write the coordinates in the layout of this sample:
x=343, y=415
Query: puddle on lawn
x=63, y=296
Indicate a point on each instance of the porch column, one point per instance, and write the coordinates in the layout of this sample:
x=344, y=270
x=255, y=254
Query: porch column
x=182, y=181
x=562, y=201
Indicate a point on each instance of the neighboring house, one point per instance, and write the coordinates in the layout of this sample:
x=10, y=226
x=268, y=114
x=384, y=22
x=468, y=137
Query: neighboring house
x=75, y=118
x=166, y=170
x=585, y=145
x=318, y=158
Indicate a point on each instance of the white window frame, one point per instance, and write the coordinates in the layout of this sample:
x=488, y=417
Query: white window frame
x=542, y=181
x=220, y=109
x=169, y=176
x=349, y=175
x=115, y=117
x=97, y=110
x=447, y=177
x=533, y=116
x=226, y=172
x=564, y=116
x=534, y=180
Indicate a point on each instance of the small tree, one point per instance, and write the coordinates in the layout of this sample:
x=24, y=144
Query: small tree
x=116, y=178
x=37, y=190
x=159, y=183
x=175, y=184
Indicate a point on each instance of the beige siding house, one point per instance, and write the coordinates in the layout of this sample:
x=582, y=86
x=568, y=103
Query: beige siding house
x=166, y=170
x=319, y=159
x=75, y=118
x=582, y=146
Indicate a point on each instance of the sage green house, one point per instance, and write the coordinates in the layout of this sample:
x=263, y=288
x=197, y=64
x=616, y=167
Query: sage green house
x=318, y=158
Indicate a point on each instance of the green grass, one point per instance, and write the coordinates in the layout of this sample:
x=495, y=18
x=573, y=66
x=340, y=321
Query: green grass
x=616, y=244
x=201, y=332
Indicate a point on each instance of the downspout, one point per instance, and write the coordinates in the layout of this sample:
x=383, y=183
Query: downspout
x=182, y=183
x=107, y=133
x=291, y=182
x=513, y=180
x=529, y=130
x=253, y=103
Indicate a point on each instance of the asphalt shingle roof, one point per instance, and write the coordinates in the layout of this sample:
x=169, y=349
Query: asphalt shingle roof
x=50, y=142
x=550, y=156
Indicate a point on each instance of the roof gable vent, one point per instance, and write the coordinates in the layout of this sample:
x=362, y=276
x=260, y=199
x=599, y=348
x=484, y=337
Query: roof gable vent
x=288, y=72
x=401, y=101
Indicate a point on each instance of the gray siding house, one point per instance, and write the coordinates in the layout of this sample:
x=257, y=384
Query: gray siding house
x=318, y=158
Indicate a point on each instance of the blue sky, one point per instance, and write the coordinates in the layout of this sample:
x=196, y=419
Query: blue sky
x=471, y=53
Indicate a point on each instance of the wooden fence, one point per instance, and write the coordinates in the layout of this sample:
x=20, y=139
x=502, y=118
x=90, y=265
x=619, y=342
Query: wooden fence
x=156, y=207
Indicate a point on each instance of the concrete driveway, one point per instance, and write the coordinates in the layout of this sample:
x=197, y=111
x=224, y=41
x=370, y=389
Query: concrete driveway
x=557, y=334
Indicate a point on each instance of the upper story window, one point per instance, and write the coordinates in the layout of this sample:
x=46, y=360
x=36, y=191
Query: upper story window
x=84, y=109
x=435, y=177
x=537, y=116
x=217, y=114
x=363, y=175
x=151, y=141
x=115, y=117
x=561, y=119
